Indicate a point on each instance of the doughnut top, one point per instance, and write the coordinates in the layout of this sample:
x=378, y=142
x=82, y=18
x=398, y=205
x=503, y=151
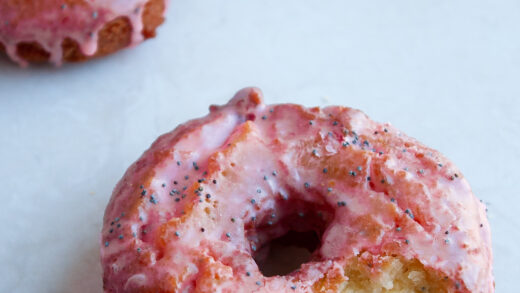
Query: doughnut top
x=50, y=22
x=191, y=212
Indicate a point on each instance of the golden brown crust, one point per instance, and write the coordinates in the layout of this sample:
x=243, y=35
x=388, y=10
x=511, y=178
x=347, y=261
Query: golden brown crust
x=113, y=37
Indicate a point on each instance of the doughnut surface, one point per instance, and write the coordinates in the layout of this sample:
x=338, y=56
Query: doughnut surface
x=75, y=30
x=392, y=214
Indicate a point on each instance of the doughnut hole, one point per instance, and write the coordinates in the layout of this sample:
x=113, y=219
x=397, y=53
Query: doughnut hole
x=287, y=253
x=288, y=235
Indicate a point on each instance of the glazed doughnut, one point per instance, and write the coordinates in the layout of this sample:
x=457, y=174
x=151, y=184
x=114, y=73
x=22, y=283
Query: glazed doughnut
x=199, y=209
x=75, y=30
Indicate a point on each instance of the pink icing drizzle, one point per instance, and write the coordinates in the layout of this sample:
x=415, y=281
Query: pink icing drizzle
x=55, y=21
x=411, y=187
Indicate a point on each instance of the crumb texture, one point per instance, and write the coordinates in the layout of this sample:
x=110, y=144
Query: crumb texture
x=395, y=276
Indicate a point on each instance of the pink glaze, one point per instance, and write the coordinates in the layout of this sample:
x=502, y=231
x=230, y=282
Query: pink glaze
x=49, y=22
x=167, y=232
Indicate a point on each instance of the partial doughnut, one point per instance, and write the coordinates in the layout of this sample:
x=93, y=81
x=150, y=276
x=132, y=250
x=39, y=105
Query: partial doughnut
x=196, y=212
x=75, y=30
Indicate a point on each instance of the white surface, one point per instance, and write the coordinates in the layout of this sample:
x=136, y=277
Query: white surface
x=446, y=72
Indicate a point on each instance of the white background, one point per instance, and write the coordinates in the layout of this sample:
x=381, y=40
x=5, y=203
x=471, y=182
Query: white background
x=446, y=72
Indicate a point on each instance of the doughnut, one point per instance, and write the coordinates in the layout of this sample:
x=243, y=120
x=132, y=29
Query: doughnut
x=201, y=210
x=75, y=30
